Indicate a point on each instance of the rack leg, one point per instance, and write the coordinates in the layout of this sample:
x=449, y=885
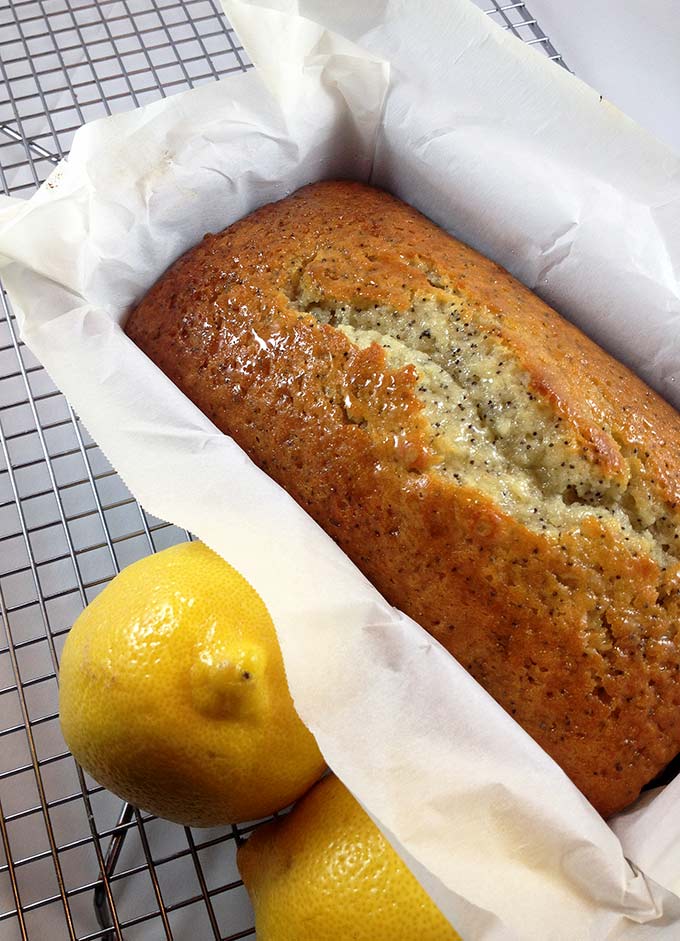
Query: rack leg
x=101, y=906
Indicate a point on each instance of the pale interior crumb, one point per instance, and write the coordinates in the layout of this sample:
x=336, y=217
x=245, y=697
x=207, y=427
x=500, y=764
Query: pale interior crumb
x=492, y=432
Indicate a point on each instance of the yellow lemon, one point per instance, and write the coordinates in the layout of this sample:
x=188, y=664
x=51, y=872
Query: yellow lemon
x=173, y=694
x=325, y=872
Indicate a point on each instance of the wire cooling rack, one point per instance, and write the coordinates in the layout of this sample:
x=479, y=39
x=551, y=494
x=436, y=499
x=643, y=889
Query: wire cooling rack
x=74, y=862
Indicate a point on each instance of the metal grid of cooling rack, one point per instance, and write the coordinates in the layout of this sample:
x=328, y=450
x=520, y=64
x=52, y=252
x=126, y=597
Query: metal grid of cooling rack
x=74, y=863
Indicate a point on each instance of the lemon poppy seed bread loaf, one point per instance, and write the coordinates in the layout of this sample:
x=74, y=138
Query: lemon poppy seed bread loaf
x=494, y=473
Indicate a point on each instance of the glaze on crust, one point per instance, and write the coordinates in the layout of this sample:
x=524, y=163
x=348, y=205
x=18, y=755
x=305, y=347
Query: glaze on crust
x=571, y=626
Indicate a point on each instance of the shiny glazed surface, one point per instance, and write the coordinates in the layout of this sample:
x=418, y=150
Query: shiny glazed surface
x=573, y=626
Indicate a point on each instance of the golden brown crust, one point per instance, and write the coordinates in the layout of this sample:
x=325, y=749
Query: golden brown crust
x=575, y=636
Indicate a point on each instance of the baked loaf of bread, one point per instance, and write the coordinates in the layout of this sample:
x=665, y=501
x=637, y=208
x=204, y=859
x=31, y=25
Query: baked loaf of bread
x=494, y=473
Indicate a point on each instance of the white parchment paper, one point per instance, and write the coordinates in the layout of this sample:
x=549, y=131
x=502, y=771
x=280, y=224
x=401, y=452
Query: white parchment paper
x=433, y=102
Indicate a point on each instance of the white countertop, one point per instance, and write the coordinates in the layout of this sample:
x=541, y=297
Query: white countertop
x=628, y=50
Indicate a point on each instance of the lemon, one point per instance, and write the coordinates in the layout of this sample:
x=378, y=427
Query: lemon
x=173, y=694
x=325, y=872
